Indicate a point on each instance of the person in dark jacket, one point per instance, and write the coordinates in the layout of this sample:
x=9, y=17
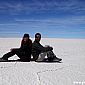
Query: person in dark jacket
x=39, y=51
x=24, y=52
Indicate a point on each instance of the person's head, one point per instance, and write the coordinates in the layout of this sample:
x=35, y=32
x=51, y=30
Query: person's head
x=25, y=37
x=37, y=37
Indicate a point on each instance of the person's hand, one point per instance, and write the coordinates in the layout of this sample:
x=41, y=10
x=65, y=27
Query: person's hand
x=50, y=48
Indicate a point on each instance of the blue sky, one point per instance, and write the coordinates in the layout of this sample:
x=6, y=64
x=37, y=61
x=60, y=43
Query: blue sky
x=52, y=18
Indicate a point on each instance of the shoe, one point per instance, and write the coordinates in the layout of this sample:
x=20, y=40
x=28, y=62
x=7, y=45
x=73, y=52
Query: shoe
x=2, y=60
x=57, y=59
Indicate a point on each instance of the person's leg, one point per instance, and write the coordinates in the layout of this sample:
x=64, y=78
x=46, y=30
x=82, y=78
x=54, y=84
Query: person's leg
x=24, y=56
x=41, y=56
x=35, y=57
x=52, y=57
x=7, y=55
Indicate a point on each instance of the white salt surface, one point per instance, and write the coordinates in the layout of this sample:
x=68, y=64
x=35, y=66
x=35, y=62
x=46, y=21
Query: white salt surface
x=70, y=72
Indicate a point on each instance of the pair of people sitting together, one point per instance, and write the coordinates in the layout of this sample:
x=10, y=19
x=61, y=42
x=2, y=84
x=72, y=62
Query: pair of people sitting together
x=35, y=49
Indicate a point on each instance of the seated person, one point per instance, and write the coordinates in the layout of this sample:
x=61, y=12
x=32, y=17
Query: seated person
x=39, y=52
x=24, y=52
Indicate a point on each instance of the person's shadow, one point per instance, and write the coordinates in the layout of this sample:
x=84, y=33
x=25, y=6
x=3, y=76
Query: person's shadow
x=49, y=61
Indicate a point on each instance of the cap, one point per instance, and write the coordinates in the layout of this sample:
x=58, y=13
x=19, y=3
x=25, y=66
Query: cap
x=26, y=35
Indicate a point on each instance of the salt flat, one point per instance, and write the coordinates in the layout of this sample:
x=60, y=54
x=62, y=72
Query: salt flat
x=70, y=72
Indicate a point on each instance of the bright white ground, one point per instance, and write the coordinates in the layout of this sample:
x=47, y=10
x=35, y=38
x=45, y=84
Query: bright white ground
x=70, y=72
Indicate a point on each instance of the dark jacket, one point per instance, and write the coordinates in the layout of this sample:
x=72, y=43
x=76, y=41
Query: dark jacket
x=26, y=47
x=37, y=48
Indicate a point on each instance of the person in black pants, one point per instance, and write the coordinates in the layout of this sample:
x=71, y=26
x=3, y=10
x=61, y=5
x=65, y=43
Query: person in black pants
x=24, y=52
x=39, y=52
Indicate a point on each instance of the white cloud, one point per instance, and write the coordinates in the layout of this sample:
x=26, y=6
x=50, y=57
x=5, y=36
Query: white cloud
x=72, y=5
x=69, y=21
x=75, y=20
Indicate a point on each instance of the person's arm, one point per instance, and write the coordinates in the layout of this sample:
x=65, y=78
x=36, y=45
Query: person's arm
x=30, y=44
x=41, y=48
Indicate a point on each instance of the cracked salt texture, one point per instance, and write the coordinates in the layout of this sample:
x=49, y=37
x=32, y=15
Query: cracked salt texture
x=72, y=68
